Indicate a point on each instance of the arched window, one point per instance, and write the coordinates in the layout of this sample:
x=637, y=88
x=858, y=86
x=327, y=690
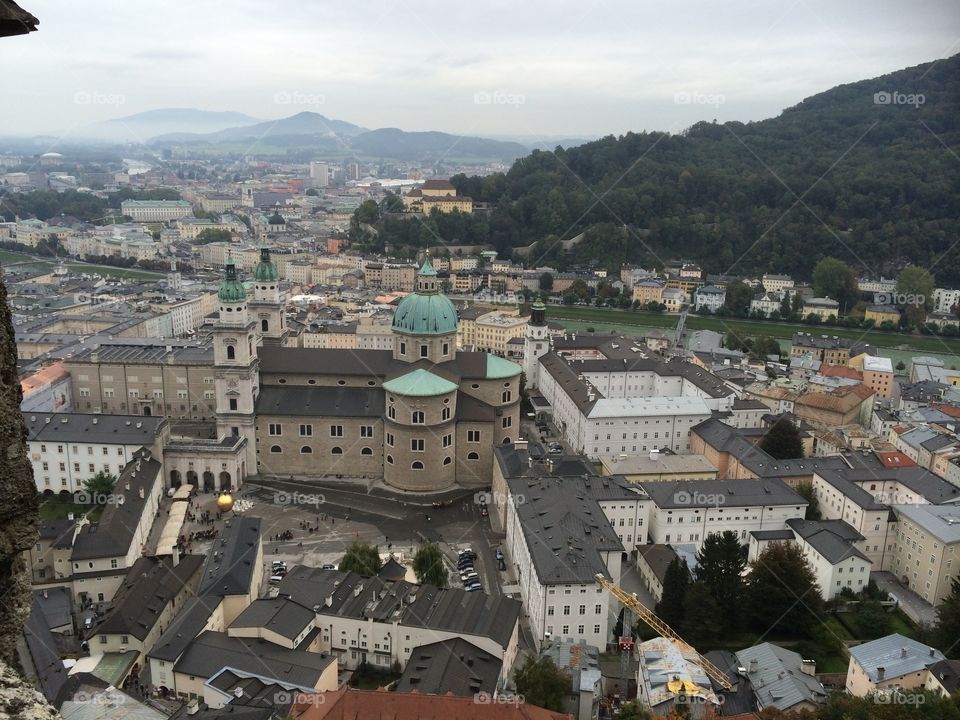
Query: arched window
x=336, y=450
x=265, y=325
x=392, y=412
x=447, y=460
x=390, y=459
x=446, y=413
x=473, y=456
x=231, y=352
x=416, y=417
x=505, y=396
x=416, y=465
x=507, y=441
x=275, y=449
x=306, y=450
x=366, y=451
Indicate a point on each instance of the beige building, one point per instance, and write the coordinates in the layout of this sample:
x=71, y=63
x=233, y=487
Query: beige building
x=658, y=467
x=889, y=664
x=926, y=549
x=436, y=194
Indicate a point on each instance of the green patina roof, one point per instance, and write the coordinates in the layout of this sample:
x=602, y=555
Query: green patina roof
x=427, y=268
x=498, y=368
x=419, y=383
x=265, y=271
x=425, y=315
x=231, y=290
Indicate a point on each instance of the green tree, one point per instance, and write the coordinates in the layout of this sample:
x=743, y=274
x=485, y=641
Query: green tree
x=100, y=486
x=834, y=278
x=210, y=235
x=312, y=192
x=428, y=565
x=782, y=591
x=633, y=710
x=782, y=440
x=702, y=615
x=806, y=491
x=720, y=565
x=735, y=341
x=542, y=683
x=738, y=297
x=901, y=366
x=918, y=284
x=871, y=620
x=947, y=630
x=361, y=558
x=676, y=580
x=764, y=345
x=546, y=282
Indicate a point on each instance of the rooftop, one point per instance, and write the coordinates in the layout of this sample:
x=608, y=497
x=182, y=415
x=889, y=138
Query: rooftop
x=99, y=429
x=451, y=666
x=893, y=656
x=777, y=679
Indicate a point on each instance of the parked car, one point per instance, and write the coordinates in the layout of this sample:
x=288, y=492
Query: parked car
x=329, y=566
x=276, y=579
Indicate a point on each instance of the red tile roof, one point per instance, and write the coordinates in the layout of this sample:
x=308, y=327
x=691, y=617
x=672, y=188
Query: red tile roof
x=350, y=704
x=895, y=459
x=841, y=371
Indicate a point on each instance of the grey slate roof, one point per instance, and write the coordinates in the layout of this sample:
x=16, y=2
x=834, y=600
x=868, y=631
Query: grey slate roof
x=297, y=400
x=737, y=493
x=112, y=535
x=213, y=651
x=565, y=529
x=86, y=428
x=896, y=654
x=832, y=539
x=186, y=625
x=280, y=615
x=948, y=673
x=452, y=666
x=43, y=654
x=941, y=521
x=450, y=609
x=231, y=564
x=151, y=583
x=778, y=681
x=658, y=557
x=56, y=607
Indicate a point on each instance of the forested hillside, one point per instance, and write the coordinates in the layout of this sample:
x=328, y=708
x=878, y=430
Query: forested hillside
x=839, y=169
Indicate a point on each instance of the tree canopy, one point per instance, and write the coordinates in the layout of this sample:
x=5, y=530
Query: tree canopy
x=782, y=591
x=782, y=440
x=361, y=558
x=428, y=565
x=542, y=683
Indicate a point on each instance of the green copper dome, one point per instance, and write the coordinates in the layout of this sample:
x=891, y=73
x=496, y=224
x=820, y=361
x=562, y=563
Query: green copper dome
x=426, y=311
x=231, y=290
x=265, y=271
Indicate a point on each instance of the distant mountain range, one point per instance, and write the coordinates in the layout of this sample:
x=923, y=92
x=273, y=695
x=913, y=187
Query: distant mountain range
x=145, y=125
x=305, y=131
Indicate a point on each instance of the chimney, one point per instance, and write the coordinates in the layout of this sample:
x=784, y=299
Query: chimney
x=127, y=485
x=808, y=667
x=141, y=493
x=328, y=601
x=880, y=672
x=753, y=665
x=903, y=652
x=357, y=589
x=933, y=652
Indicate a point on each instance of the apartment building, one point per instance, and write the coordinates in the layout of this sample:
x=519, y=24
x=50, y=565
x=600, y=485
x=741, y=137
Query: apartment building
x=156, y=210
x=926, y=549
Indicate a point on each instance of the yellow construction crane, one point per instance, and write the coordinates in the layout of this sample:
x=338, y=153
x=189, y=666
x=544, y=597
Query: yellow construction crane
x=661, y=628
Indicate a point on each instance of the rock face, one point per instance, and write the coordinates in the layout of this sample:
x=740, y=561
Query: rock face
x=19, y=700
x=18, y=495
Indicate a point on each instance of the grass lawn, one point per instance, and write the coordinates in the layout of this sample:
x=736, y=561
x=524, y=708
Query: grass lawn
x=10, y=256
x=602, y=317
x=114, y=271
x=57, y=508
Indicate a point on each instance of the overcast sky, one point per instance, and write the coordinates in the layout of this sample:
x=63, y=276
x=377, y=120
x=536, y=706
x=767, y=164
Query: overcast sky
x=518, y=67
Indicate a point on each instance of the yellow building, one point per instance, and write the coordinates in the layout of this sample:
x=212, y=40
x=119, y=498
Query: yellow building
x=647, y=291
x=882, y=313
x=438, y=195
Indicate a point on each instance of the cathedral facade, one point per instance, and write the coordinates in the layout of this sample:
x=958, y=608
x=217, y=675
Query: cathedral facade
x=422, y=416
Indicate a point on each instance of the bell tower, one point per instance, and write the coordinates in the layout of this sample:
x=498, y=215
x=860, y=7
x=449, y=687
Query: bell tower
x=235, y=363
x=267, y=306
x=536, y=344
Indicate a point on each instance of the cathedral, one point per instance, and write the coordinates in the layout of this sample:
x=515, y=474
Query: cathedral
x=423, y=416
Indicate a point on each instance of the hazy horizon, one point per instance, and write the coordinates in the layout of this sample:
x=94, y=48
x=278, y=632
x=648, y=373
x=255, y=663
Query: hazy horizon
x=554, y=70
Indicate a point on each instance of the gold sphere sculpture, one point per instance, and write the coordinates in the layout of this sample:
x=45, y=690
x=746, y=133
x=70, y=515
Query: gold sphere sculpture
x=225, y=503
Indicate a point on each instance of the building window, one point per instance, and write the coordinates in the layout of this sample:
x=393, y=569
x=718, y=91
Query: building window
x=505, y=396
x=445, y=414
x=336, y=431
x=392, y=412
x=473, y=436
x=390, y=459
x=275, y=429
x=447, y=440
x=416, y=444
x=507, y=421
x=233, y=403
x=231, y=352
x=424, y=351
x=447, y=460
x=366, y=451
x=336, y=450
x=416, y=417
x=366, y=431
x=446, y=348
x=275, y=449
x=306, y=450
x=389, y=438
x=306, y=430
x=473, y=456
x=403, y=348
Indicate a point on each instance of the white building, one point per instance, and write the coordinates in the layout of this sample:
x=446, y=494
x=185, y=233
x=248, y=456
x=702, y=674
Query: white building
x=945, y=299
x=710, y=297
x=66, y=449
x=686, y=512
x=156, y=210
x=560, y=534
x=834, y=550
x=776, y=283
